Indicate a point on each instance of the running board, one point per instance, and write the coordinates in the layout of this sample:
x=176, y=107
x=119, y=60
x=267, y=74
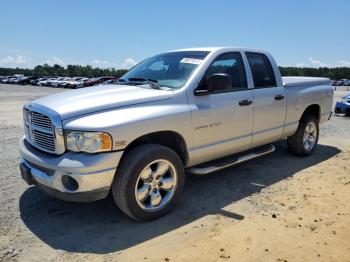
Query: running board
x=218, y=164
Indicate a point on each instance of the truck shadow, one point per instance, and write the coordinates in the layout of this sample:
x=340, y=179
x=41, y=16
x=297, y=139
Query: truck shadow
x=102, y=228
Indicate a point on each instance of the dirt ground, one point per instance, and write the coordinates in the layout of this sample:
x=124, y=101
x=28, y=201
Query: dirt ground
x=275, y=208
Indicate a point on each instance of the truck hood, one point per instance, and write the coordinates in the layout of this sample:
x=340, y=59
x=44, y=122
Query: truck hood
x=97, y=98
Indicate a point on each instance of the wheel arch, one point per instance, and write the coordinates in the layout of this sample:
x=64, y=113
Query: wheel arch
x=170, y=139
x=314, y=110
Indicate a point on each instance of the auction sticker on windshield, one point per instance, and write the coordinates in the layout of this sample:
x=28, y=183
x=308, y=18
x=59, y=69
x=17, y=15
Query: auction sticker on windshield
x=188, y=60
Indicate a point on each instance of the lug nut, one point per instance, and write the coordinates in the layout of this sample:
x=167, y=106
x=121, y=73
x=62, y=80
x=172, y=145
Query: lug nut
x=155, y=190
x=157, y=177
x=160, y=183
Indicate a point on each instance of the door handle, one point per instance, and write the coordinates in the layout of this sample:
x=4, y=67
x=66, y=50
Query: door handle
x=279, y=97
x=245, y=102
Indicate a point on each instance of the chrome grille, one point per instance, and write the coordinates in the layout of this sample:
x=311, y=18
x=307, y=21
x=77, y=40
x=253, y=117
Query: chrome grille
x=41, y=120
x=39, y=130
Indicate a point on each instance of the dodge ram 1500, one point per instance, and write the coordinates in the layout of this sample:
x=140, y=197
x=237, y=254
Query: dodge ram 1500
x=196, y=110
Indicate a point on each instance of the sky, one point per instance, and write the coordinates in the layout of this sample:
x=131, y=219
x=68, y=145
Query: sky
x=121, y=33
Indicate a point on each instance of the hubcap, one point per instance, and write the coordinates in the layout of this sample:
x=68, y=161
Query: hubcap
x=156, y=185
x=310, y=136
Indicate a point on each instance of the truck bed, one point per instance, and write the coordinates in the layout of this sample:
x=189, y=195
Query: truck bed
x=302, y=80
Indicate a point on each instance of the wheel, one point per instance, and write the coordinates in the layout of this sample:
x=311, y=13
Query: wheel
x=148, y=182
x=305, y=139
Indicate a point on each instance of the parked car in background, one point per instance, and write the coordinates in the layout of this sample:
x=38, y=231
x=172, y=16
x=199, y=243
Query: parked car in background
x=111, y=82
x=73, y=82
x=8, y=80
x=346, y=82
x=337, y=83
x=27, y=80
x=46, y=82
x=34, y=82
x=19, y=79
x=58, y=81
x=343, y=106
x=97, y=80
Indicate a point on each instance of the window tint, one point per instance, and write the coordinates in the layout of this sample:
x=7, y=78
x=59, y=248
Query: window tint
x=232, y=64
x=262, y=70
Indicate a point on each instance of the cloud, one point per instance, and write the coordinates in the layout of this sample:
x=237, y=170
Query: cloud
x=317, y=63
x=14, y=61
x=301, y=65
x=103, y=63
x=128, y=63
x=55, y=60
x=343, y=63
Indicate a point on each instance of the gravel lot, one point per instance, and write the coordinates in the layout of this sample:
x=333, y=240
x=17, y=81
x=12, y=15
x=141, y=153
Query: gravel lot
x=275, y=208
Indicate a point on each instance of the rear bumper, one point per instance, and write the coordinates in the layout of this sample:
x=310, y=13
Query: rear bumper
x=71, y=176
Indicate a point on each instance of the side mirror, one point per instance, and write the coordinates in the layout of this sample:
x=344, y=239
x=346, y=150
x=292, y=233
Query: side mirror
x=215, y=82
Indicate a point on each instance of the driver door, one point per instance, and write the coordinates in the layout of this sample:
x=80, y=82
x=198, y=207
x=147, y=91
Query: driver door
x=221, y=123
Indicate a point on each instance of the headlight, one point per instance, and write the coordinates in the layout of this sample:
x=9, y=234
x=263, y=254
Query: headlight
x=90, y=142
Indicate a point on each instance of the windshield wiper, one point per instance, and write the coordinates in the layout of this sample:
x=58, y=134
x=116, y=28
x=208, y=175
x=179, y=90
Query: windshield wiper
x=150, y=82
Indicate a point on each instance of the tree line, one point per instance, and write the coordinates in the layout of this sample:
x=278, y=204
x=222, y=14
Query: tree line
x=89, y=71
x=68, y=71
x=334, y=73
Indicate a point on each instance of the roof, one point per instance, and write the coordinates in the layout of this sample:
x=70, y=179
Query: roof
x=210, y=49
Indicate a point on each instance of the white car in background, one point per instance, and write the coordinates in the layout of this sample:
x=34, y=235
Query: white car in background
x=58, y=81
x=73, y=82
x=46, y=82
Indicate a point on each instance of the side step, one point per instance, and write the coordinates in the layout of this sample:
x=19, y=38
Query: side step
x=221, y=163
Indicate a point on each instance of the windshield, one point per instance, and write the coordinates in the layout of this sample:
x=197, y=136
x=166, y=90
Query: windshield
x=171, y=69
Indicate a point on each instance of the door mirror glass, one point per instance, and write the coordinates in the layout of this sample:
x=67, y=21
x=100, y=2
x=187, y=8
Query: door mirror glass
x=219, y=82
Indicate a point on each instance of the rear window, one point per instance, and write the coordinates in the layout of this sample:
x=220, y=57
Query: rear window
x=262, y=70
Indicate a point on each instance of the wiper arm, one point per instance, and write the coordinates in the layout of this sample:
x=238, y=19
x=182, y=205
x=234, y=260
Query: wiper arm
x=150, y=82
x=142, y=79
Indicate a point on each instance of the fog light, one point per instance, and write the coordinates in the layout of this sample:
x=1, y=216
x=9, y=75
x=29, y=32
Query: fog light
x=70, y=183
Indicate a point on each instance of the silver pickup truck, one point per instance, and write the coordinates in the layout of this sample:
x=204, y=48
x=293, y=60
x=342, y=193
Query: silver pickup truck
x=197, y=110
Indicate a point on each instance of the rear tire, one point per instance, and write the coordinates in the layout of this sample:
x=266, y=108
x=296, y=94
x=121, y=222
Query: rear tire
x=305, y=139
x=148, y=182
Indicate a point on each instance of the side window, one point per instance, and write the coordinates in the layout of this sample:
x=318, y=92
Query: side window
x=262, y=70
x=232, y=64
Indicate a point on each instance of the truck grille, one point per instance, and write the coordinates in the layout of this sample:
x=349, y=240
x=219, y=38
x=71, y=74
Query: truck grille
x=39, y=130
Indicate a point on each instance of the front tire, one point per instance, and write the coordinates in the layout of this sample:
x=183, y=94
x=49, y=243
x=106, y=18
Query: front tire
x=305, y=139
x=148, y=182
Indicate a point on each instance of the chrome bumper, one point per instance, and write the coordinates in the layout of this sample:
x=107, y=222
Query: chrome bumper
x=91, y=172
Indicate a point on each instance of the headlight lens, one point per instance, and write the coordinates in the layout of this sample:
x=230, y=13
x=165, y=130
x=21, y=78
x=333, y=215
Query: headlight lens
x=90, y=142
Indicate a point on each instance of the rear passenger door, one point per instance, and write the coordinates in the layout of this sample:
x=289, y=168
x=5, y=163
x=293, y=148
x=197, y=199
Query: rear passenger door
x=269, y=100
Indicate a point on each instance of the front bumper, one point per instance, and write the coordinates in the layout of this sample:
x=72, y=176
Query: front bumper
x=92, y=174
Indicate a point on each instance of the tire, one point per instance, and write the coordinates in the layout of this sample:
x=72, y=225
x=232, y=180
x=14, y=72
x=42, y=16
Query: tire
x=148, y=160
x=296, y=143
